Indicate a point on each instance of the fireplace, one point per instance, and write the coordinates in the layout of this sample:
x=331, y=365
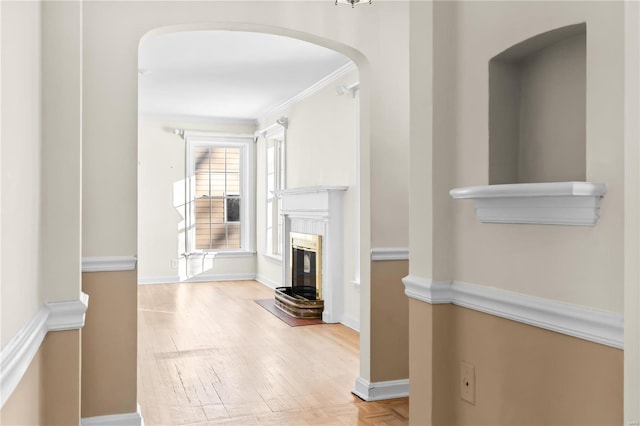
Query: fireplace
x=304, y=298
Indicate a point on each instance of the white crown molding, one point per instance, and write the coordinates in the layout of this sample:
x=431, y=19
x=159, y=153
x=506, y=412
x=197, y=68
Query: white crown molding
x=126, y=419
x=376, y=391
x=320, y=84
x=17, y=355
x=108, y=263
x=553, y=203
x=389, y=253
x=171, y=279
x=191, y=119
x=67, y=315
x=578, y=321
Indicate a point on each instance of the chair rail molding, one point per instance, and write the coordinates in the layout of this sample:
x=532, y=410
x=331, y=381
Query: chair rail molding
x=108, y=263
x=586, y=323
x=551, y=203
x=17, y=355
x=389, y=253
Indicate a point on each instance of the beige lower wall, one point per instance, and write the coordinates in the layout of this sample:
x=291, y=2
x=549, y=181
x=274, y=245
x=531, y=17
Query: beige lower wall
x=61, y=363
x=389, y=321
x=25, y=406
x=524, y=374
x=49, y=392
x=109, y=343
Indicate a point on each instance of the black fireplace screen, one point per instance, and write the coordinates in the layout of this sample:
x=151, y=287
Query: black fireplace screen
x=303, y=270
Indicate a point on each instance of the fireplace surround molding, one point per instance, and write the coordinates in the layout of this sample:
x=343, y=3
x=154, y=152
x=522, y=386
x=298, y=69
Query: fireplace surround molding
x=318, y=210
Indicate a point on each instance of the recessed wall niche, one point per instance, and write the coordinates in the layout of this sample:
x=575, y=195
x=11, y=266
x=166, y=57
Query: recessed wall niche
x=537, y=109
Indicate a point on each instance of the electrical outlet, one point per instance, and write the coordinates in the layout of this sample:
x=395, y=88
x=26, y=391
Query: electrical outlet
x=468, y=382
x=174, y=263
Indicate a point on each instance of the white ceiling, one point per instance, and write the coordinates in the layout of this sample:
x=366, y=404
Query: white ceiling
x=227, y=74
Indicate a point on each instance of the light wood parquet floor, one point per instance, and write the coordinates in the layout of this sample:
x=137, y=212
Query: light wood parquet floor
x=208, y=354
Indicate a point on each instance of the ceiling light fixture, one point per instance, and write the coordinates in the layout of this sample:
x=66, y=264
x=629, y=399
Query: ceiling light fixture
x=353, y=3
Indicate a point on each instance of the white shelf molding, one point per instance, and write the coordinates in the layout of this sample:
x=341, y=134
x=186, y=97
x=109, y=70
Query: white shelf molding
x=108, y=263
x=389, y=253
x=553, y=203
x=17, y=355
x=583, y=322
x=377, y=391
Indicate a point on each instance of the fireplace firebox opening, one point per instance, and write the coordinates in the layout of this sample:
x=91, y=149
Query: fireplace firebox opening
x=304, y=298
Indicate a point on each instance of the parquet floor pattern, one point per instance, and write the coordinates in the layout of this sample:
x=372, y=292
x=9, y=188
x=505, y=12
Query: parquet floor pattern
x=208, y=354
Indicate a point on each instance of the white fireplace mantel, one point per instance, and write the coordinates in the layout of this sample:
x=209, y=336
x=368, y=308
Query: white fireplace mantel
x=318, y=211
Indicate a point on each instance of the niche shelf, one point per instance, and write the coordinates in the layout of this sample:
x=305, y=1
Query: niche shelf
x=537, y=135
x=549, y=203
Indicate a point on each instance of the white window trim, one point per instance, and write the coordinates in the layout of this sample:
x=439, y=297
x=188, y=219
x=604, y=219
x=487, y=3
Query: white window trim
x=274, y=132
x=247, y=213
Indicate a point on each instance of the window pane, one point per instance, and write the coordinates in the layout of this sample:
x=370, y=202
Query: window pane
x=233, y=160
x=234, y=235
x=218, y=237
x=233, y=184
x=233, y=209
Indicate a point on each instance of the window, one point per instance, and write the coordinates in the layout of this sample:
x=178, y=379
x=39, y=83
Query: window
x=275, y=178
x=218, y=195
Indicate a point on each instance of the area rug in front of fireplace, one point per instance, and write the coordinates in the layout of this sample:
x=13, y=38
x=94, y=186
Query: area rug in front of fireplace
x=269, y=305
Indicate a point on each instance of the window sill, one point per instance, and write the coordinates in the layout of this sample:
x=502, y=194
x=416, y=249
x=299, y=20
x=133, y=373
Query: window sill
x=273, y=258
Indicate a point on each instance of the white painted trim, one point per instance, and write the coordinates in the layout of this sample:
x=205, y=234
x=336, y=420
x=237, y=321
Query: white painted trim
x=17, y=355
x=310, y=190
x=67, y=315
x=267, y=282
x=172, y=279
x=221, y=277
x=127, y=419
x=108, y=263
x=389, y=253
x=192, y=119
x=574, y=320
x=319, y=85
x=376, y=391
x=20, y=351
x=232, y=254
x=434, y=292
x=351, y=322
x=553, y=203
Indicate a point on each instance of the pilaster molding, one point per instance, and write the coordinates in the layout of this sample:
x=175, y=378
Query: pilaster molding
x=18, y=354
x=389, y=253
x=126, y=419
x=67, y=315
x=108, y=263
x=583, y=322
x=377, y=391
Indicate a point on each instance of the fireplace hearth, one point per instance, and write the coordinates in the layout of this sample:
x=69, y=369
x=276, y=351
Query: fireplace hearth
x=304, y=298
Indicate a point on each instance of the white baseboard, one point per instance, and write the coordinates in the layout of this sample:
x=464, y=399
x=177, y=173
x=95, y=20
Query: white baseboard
x=267, y=282
x=574, y=320
x=173, y=279
x=351, y=322
x=221, y=277
x=377, y=391
x=126, y=419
